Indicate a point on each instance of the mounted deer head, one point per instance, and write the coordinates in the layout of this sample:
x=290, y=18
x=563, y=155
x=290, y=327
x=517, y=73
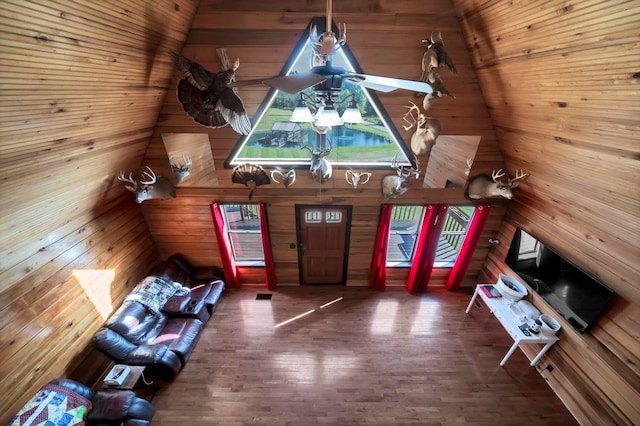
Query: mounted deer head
x=180, y=170
x=325, y=44
x=395, y=186
x=356, y=178
x=152, y=188
x=427, y=130
x=483, y=186
x=321, y=170
x=288, y=178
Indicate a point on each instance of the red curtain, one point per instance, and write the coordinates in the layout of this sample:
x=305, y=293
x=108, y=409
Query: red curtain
x=379, y=264
x=468, y=247
x=269, y=267
x=224, y=245
x=426, y=247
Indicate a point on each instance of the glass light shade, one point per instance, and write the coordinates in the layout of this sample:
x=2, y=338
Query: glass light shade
x=301, y=114
x=328, y=117
x=352, y=115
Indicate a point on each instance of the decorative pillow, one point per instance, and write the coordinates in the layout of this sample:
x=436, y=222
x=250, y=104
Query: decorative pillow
x=53, y=405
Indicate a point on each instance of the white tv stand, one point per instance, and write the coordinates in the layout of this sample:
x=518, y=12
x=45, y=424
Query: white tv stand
x=500, y=308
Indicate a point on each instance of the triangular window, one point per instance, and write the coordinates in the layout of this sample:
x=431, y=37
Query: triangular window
x=277, y=141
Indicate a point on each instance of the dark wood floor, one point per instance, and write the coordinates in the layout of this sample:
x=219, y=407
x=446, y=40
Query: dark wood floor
x=371, y=358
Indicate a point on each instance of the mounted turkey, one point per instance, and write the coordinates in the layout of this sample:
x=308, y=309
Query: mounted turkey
x=206, y=96
x=251, y=176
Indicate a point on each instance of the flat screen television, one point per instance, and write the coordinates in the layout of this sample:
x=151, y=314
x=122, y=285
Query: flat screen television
x=575, y=295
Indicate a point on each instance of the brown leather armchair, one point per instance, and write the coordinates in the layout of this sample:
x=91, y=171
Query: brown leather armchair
x=103, y=408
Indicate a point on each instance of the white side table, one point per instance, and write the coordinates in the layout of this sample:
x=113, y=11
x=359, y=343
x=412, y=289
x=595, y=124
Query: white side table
x=500, y=308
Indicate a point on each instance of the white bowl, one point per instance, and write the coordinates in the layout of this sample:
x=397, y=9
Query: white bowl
x=511, y=288
x=550, y=325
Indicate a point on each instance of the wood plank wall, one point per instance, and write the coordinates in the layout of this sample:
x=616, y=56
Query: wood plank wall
x=81, y=85
x=561, y=83
x=385, y=37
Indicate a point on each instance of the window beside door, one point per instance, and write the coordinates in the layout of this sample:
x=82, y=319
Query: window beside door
x=243, y=227
x=406, y=222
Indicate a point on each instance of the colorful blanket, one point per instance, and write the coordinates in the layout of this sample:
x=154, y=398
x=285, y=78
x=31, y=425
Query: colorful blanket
x=153, y=292
x=53, y=405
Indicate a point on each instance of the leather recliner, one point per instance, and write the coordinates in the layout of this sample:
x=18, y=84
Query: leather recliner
x=163, y=341
x=107, y=408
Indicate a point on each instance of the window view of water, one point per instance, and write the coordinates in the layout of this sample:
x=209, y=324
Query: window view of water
x=344, y=136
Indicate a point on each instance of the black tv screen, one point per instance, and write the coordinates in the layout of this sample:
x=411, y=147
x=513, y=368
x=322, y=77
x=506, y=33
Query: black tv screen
x=575, y=295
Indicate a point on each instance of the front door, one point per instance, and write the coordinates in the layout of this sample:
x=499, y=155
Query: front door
x=323, y=239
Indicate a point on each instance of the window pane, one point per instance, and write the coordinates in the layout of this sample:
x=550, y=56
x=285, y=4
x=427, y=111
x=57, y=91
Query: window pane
x=243, y=227
x=406, y=222
x=453, y=232
x=405, y=225
x=246, y=246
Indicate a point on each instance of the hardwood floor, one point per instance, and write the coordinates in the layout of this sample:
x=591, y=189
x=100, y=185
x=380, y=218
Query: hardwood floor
x=369, y=358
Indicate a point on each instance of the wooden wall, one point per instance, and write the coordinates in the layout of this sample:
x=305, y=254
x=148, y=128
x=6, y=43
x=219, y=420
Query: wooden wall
x=81, y=84
x=561, y=83
x=385, y=37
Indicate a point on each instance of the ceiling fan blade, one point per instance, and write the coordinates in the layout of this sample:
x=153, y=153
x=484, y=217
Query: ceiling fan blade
x=388, y=84
x=295, y=83
x=289, y=83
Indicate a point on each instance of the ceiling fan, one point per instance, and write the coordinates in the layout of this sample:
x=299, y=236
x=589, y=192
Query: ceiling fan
x=329, y=77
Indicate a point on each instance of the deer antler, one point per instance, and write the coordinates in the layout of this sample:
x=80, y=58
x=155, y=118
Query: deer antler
x=151, y=176
x=495, y=175
x=409, y=113
x=180, y=166
x=467, y=169
x=129, y=179
x=519, y=175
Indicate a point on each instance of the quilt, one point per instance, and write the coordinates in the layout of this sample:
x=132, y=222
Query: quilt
x=53, y=405
x=153, y=292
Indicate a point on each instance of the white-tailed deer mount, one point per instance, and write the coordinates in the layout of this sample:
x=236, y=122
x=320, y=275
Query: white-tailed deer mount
x=427, y=130
x=356, y=178
x=321, y=170
x=180, y=169
x=395, y=186
x=154, y=187
x=288, y=178
x=483, y=186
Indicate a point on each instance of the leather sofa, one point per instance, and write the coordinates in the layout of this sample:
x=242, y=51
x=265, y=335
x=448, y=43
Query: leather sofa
x=64, y=401
x=163, y=340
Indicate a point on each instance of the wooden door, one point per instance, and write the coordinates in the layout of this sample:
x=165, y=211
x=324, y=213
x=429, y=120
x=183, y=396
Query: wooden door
x=323, y=239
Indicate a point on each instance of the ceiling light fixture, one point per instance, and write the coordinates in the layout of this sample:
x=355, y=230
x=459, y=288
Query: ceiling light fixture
x=322, y=111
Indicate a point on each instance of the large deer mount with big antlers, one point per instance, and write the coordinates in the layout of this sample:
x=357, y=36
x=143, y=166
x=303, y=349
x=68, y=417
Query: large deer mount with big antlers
x=153, y=187
x=395, y=186
x=482, y=186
